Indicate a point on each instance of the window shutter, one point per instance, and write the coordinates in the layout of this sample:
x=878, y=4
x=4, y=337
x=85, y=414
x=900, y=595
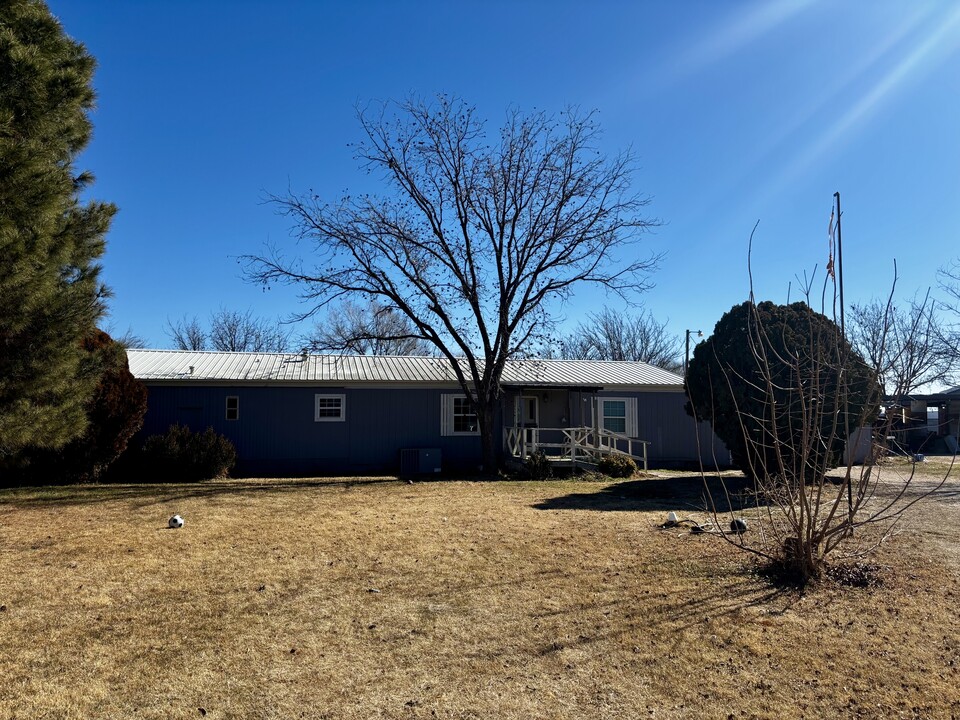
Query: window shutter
x=631, y=407
x=446, y=415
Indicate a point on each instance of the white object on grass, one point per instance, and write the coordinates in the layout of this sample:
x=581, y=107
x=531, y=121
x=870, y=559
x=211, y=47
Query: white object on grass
x=175, y=522
x=671, y=517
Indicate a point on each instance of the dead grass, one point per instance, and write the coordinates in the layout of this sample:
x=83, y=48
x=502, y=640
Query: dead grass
x=375, y=598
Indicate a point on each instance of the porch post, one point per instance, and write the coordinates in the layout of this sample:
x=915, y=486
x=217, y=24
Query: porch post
x=595, y=420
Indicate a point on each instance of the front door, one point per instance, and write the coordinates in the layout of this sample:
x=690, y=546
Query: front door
x=530, y=418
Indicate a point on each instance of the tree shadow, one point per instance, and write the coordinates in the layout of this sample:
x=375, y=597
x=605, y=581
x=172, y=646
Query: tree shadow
x=688, y=612
x=146, y=494
x=725, y=494
x=669, y=616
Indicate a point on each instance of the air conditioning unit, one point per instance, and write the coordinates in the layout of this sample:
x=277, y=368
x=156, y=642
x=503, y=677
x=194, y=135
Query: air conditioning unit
x=419, y=461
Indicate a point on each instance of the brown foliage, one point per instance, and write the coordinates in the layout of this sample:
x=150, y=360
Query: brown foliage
x=115, y=412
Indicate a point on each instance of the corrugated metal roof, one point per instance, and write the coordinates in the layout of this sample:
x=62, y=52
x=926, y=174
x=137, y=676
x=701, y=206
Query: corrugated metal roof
x=187, y=366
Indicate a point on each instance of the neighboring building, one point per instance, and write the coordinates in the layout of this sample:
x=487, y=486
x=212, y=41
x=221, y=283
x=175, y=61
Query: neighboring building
x=298, y=414
x=927, y=424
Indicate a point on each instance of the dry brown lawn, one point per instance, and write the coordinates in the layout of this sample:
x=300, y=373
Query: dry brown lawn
x=379, y=599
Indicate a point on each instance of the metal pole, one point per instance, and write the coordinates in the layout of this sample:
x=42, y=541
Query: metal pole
x=686, y=355
x=843, y=328
x=846, y=397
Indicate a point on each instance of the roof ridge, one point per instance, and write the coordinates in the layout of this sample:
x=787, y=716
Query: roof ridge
x=384, y=357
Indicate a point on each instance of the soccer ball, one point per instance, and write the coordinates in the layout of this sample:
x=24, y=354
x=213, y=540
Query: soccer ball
x=175, y=522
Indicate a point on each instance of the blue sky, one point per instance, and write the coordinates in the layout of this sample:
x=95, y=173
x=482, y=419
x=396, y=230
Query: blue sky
x=737, y=111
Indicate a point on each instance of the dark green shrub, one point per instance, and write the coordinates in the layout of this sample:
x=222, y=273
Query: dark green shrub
x=787, y=362
x=617, y=466
x=183, y=455
x=537, y=466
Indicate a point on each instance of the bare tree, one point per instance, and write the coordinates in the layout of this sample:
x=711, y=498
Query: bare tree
x=187, y=334
x=230, y=331
x=371, y=329
x=903, y=344
x=128, y=339
x=949, y=334
x=949, y=280
x=618, y=335
x=478, y=238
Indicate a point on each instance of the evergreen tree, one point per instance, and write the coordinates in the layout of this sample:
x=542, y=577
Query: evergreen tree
x=50, y=239
x=774, y=382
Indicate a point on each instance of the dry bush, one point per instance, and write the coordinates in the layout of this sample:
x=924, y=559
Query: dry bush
x=617, y=466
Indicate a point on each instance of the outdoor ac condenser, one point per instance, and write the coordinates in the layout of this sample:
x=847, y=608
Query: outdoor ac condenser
x=419, y=461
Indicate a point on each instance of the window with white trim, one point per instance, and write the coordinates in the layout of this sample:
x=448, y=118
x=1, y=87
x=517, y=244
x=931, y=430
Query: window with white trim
x=233, y=407
x=457, y=417
x=329, y=408
x=619, y=415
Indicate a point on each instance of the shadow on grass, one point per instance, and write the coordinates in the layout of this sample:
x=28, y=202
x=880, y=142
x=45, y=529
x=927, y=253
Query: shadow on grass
x=671, y=616
x=152, y=493
x=729, y=601
x=674, y=493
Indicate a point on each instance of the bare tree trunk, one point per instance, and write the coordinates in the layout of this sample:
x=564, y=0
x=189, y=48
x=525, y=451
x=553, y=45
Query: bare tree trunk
x=489, y=441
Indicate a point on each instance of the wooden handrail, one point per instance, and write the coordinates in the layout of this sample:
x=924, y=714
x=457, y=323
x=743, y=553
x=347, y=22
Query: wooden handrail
x=579, y=443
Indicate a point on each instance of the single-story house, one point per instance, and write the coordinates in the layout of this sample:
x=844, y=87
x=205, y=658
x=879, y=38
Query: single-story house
x=300, y=414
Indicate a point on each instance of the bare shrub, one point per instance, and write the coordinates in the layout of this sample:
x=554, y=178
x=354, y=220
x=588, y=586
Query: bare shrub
x=792, y=403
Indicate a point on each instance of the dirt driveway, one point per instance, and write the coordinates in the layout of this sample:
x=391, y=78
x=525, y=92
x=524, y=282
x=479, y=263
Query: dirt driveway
x=936, y=516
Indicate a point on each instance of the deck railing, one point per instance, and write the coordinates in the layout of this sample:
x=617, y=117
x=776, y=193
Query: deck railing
x=575, y=445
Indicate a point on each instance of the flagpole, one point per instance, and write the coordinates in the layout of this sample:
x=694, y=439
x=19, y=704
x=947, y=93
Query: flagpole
x=846, y=396
x=843, y=328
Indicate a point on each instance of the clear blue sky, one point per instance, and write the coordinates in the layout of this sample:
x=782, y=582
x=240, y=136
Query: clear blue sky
x=738, y=111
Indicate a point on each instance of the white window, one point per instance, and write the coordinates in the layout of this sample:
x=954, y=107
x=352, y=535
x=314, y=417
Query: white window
x=329, y=408
x=457, y=417
x=619, y=415
x=233, y=407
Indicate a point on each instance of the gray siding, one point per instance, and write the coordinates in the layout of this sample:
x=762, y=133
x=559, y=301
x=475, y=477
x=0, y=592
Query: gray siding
x=672, y=434
x=276, y=433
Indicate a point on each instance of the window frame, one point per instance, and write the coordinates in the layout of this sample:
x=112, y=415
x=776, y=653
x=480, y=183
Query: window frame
x=629, y=415
x=448, y=416
x=329, y=396
x=236, y=408
x=466, y=412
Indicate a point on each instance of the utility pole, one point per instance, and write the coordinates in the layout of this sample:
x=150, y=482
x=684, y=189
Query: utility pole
x=846, y=395
x=686, y=357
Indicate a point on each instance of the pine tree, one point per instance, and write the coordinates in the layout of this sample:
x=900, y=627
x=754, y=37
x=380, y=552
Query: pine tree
x=50, y=238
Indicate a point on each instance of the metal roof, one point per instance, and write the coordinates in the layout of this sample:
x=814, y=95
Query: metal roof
x=951, y=394
x=188, y=366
